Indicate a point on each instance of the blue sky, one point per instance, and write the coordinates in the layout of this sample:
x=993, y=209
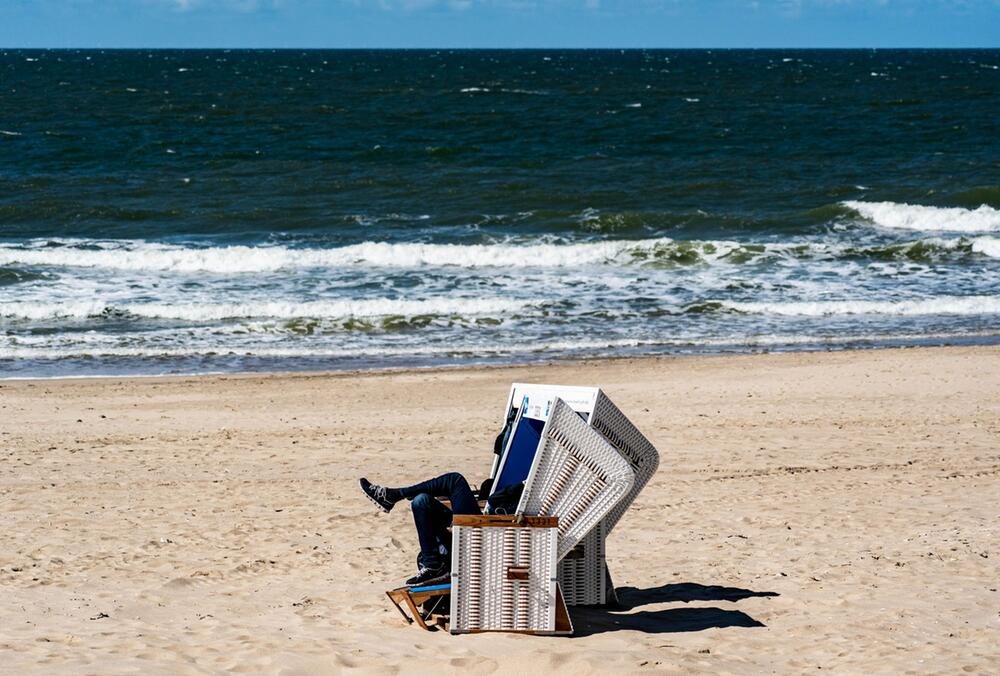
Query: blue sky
x=499, y=23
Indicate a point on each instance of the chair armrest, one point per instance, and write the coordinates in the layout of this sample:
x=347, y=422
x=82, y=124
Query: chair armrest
x=501, y=521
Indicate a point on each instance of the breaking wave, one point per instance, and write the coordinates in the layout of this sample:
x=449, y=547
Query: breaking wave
x=545, y=348
x=201, y=312
x=917, y=217
x=123, y=255
x=127, y=255
x=943, y=305
x=988, y=246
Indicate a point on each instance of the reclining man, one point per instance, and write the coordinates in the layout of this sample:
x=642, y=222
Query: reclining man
x=433, y=519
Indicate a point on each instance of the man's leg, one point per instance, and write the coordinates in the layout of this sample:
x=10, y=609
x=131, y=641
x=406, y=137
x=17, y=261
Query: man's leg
x=432, y=520
x=452, y=486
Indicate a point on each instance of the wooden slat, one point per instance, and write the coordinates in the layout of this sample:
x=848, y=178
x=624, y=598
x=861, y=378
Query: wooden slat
x=416, y=612
x=518, y=573
x=531, y=632
x=420, y=597
x=472, y=520
x=413, y=600
x=395, y=602
x=563, y=623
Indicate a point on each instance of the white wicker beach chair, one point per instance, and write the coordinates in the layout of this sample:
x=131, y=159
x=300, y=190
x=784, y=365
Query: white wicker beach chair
x=503, y=576
x=583, y=573
x=504, y=568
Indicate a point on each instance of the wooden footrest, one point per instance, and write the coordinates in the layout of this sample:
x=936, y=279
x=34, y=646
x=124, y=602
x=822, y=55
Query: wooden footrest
x=416, y=596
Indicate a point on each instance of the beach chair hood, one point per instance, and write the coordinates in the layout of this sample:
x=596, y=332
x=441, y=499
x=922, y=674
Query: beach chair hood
x=577, y=476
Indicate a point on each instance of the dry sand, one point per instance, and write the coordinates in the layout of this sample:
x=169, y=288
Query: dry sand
x=833, y=511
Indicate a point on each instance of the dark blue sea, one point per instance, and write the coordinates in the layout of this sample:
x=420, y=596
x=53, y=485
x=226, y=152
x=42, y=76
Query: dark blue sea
x=200, y=211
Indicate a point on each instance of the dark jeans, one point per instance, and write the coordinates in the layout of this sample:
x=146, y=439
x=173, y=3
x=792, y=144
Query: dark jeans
x=432, y=519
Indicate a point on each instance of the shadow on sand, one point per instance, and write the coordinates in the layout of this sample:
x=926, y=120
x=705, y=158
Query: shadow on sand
x=597, y=620
x=631, y=597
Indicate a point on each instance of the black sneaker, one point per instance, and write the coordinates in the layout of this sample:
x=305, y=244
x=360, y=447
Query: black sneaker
x=428, y=576
x=377, y=494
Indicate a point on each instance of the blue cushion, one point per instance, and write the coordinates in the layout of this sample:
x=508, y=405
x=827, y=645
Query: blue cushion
x=433, y=587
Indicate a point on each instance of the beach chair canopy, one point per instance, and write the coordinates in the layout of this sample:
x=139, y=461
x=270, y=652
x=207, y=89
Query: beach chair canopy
x=577, y=476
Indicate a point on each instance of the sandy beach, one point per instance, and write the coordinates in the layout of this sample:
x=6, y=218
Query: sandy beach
x=825, y=511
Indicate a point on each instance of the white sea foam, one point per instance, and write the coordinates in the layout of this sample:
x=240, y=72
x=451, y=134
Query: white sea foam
x=237, y=259
x=940, y=305
x=984, y=244
x=545, y=348
x=134, y=255
x=24, y=352
x=199, y=312
x=988, y=246
x=917, y=217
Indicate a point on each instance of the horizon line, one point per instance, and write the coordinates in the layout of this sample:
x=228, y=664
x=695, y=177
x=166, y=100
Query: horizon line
x=491, y=48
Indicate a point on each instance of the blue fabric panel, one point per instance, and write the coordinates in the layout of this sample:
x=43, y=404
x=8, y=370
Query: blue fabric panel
x=521, y=454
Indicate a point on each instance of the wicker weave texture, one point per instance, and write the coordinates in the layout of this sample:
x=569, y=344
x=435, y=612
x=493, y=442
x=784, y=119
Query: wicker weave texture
x=581, y=574
x=576, y=475
x=584, y=580
x=484, y=598
x=623, y=435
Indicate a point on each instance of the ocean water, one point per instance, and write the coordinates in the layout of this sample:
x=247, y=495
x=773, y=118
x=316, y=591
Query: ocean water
x=194, y=211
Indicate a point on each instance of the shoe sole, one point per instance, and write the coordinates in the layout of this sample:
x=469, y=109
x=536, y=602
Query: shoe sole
x=443, y=577
x=373, y=500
